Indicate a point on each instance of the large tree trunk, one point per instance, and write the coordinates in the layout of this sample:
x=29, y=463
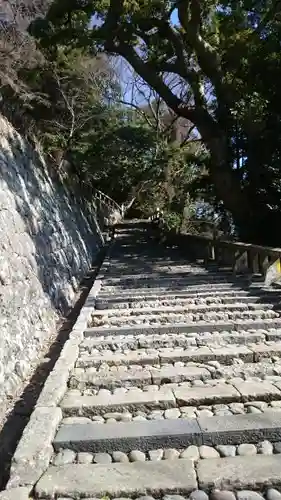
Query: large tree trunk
x=250, y=217
x=254, y=221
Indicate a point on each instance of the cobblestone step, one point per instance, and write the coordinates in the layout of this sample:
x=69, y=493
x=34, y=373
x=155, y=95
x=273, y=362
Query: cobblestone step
x=192, y=373
x=172, y=286
x=181, y=309
x=117, y=480
x=169, y=477
x=173, y=272
x=186, y=299
x=157, y=269
x=178, y=433
x=188, y=318
x=136, y=376
x=194, y=327
x=213, y=340
x=178, y=412
x=224, y=355
x=195, y=354
x=102, y=401
x=179, y=291
x=179, y=315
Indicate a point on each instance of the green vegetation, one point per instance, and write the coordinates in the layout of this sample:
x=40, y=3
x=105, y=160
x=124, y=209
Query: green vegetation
x=210, y=128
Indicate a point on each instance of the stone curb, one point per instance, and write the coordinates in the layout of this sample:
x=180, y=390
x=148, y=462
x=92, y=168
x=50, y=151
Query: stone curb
x=56, y=383
x=34, y=450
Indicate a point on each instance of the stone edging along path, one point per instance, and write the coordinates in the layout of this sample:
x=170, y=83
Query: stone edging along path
x=34, y=450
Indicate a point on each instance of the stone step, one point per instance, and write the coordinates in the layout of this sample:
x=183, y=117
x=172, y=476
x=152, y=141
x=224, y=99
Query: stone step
x=188, y=309
x=141, y=279
x=158, y=269
x=136, y=376
x=178, y=434
x=245, y=475
x=177, y=412
x=240, y=473
x=194, y=327
x=185, y=299
x=179, y=291
x=225, y=338
x=107, y=377
x=117, y=480
x=170, y=284
x=224, y=355
x=174, y=284
x=237, y=284
x=169, y=396
x=213, y=340
x=169, y=318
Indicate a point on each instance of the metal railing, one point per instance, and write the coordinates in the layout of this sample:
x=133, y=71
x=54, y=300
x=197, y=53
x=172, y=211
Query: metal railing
x=106, y=200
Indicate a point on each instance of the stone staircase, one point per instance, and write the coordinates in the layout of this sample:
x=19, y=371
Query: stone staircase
x=170, y=388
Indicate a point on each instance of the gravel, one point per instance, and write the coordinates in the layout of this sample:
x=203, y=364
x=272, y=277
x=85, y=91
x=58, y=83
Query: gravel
x=171, y=454
x=156, y=455
x=137, y=456
x=208, y=452
x=222, y=495
x=102, y=458
x=273, y=494
x=171, y=413
x=226, y=450
x=270, y=494
x=192, y=452
x=248, y=495
x=64, y=457
x=84, y=457
x=246, y=450
x=265, y=448
x=119, y=456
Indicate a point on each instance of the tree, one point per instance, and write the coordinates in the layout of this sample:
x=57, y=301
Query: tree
x=198, y=50
x=17, y=48
x=76, y=86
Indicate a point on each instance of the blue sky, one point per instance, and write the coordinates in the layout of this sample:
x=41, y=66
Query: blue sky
x=127, y=74
x=174, y=17
x=125, y=70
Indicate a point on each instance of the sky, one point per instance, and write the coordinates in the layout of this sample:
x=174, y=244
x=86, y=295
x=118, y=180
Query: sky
x=127, y=76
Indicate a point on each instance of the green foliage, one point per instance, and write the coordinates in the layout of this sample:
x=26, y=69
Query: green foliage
x=172, y=221
x=231, y=48
x=218, y=68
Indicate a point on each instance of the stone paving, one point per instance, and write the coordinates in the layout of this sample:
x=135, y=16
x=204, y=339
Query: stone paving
x=168, y=387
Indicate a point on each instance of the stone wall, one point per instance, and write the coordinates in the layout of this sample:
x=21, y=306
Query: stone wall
x=48, y=240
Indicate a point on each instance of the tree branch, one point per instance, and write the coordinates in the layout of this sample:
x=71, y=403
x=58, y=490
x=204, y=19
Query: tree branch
x=140, y=111
x=199, y=116
x=190, y=16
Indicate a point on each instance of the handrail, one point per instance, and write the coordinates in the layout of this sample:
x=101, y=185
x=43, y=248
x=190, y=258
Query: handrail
x=237, y=244
x=111, y=212
x=241, y=257
x=113, y=202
